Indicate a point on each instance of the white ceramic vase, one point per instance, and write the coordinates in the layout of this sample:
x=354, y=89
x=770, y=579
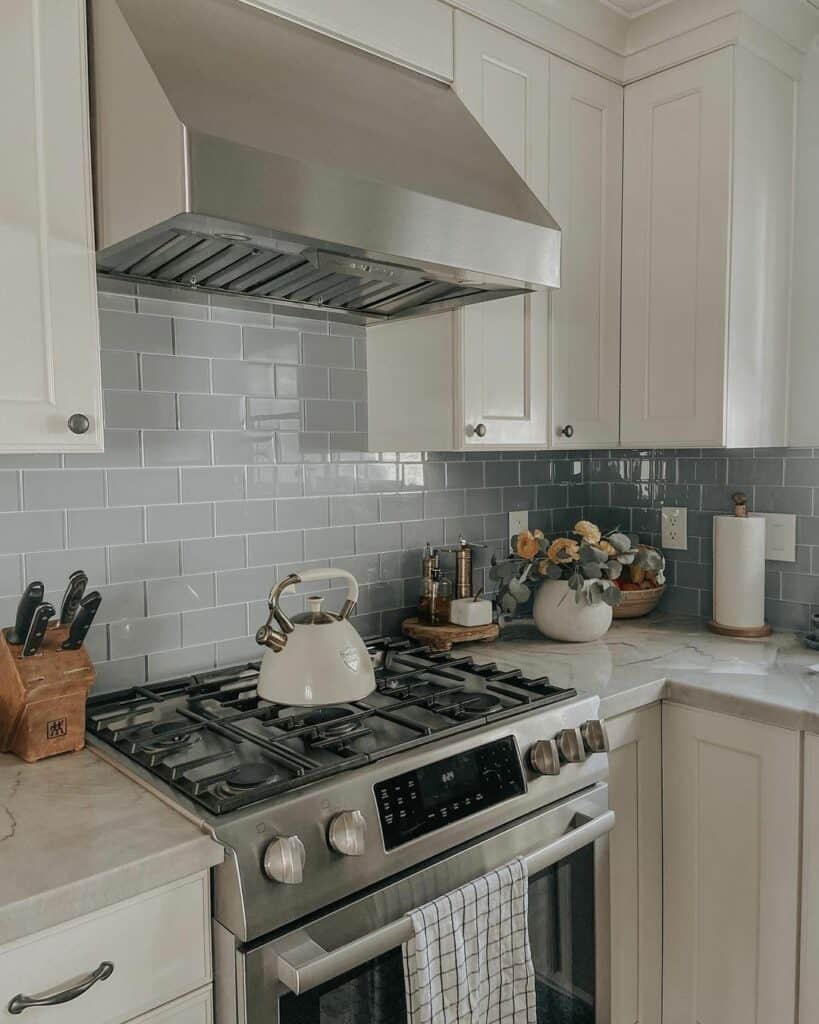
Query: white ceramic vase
x=558, y=615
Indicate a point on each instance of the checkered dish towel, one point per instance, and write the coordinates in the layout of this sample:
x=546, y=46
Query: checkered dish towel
x=469, y=960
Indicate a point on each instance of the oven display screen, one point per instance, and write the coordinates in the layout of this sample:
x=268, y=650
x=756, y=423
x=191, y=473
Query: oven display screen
x=449, y=781
x=435, y=795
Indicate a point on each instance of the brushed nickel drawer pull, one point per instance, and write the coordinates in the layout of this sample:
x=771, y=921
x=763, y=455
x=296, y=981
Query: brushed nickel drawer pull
x=102, y=973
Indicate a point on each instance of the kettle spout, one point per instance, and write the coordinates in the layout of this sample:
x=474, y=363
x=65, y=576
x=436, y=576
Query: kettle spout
x=271, y=638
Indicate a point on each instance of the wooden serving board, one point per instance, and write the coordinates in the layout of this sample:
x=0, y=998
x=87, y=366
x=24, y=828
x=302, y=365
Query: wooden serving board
x=441, y=638
x=42, y=698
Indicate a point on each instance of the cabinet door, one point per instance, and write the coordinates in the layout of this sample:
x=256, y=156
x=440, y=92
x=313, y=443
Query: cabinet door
x=809, y=977
x=731, y=869
x=635, y=850
x=585, y=198
x=676, y=213
x=503, y=344
x=50, y=345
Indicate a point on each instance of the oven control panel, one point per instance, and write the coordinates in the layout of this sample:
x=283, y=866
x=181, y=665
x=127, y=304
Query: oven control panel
x=435, y=795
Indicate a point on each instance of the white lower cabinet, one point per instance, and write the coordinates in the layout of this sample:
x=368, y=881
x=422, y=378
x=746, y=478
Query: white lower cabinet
x=635, y=848
x=731, y=838
x=147, y=951
x=809, y=975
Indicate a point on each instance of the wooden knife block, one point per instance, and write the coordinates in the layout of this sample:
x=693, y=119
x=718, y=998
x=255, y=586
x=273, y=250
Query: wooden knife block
x=42, y=698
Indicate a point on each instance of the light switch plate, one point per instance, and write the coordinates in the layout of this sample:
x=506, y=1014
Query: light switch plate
x=674, y=528
x=518, y=522
x=780, y=537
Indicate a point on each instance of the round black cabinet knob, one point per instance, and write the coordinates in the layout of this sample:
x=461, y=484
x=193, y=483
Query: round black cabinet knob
x=78, y=423
x=568, y=430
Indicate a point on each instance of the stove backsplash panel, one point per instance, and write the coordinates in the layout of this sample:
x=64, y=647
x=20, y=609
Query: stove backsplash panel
x=236, y=452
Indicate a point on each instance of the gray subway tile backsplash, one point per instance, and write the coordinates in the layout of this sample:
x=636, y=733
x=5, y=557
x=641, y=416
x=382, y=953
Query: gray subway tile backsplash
x=236, y=451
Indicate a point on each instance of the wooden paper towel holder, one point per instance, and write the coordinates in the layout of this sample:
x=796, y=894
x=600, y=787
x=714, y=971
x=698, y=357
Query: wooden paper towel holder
x=741, y=632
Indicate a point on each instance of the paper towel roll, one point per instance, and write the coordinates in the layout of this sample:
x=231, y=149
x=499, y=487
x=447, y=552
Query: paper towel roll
x=739, y=572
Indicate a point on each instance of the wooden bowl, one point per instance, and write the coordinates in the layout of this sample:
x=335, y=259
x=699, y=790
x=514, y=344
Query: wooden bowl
x=637, y=603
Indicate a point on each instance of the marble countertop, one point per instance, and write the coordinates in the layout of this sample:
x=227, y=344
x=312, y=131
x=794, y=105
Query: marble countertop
x=670, y=658
x=77, y=835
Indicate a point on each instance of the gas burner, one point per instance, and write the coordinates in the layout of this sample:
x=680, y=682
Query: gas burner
x=167, y=737
x=248, y=776
x=467, y=705
x=254, y=773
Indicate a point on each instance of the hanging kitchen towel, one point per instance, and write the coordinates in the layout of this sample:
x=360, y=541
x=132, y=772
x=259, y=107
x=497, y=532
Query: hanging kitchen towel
x=469, y=960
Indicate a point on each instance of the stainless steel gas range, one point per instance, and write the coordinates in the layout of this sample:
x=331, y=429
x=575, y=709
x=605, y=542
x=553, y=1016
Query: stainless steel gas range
x=336, y=821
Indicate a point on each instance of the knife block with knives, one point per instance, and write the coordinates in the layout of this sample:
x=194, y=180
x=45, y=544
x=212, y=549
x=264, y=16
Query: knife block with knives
x=46, y=673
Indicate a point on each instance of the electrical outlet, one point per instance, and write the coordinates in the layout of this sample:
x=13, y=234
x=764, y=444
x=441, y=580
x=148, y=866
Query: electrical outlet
x=518, y=522
x=780, y=537
x=674, y=528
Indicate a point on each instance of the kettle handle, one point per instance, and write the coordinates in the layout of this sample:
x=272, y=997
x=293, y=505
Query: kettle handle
x=310, y=575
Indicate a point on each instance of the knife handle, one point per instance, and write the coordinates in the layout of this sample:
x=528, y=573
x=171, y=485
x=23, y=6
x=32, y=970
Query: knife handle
x=82, y=623
x=77, y=582
x=37, y=630
x=32, y=596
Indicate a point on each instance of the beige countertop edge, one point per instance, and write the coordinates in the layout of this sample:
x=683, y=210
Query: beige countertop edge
x=52, y=907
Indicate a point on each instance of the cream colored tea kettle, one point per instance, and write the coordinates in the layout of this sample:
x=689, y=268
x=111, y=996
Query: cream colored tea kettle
x=317, y=657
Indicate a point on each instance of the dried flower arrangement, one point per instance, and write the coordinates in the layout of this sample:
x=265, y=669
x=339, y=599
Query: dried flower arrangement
x=610, y=563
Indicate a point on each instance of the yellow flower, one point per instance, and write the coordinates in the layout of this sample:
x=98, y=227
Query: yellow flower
x=527, y=546
x=588, y=531
x=609, y=549
x=538, y=534
x=564, y=551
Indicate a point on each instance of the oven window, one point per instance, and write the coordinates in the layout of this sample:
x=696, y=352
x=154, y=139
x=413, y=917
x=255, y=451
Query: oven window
x=561, y=931
x=372, y=994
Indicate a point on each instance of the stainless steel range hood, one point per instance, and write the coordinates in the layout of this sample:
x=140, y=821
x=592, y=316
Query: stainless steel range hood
x=237, y=152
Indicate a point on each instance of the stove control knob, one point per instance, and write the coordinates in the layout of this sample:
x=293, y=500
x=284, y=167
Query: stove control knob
x=570, y=745
x=348, y=833
x=544, y=757
x=595, y=736
x=284, y=860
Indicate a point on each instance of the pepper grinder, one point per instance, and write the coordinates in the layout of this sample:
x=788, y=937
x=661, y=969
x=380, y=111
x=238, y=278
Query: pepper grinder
x=463, y=565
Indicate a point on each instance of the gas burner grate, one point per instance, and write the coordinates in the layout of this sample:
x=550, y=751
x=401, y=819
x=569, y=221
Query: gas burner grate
x=212, y=738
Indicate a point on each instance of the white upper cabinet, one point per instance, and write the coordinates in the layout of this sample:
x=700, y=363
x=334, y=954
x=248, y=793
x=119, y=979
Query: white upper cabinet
x=585, y=198
x=707, y=222
x=503, y=344
x=417, y=33
x=731, y=842
x=50, y=342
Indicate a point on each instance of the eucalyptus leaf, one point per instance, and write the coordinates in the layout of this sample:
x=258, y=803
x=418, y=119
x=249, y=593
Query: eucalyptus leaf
x=554, y=572
x=495, y=573
x=626, y=559
x=613, y=596
x=614, y=569
x=576, y=582
x=620, y=542
x=593, y=572
x=595, y=594
x=580, y=596
x=519, y=591
x=509, y=604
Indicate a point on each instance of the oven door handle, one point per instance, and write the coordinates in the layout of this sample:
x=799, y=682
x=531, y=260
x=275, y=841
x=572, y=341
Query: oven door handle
x=304, y=964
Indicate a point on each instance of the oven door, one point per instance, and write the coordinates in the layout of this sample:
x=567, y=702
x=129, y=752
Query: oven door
x=347, y=965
